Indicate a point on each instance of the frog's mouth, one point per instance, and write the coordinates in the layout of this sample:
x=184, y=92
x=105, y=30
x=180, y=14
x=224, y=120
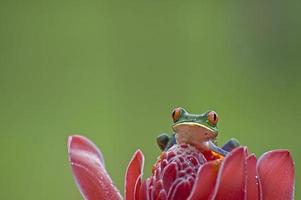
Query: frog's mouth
x=197, y=130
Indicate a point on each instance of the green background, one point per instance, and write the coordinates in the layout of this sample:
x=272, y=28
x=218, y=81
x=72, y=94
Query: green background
x=113, y=71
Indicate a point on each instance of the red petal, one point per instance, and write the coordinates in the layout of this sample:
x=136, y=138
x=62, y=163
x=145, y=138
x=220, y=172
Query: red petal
x=252, y=180
x=205, y=181
x=231, y=180
x=157, y=189
x=85, y=145
x=181, y=190
x=143, y=191
x=89, y=173
x=276, y=175
x=133, y=175
x=162, y=195
x=137, y=187
x=169, y=175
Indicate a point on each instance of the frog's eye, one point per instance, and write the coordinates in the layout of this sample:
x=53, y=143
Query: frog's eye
x=176, y=113
x=213, y=117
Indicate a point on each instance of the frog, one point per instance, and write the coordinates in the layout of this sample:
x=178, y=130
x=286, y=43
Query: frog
x=198, y=130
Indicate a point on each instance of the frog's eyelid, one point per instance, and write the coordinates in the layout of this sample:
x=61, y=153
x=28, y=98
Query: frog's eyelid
x=183, y=111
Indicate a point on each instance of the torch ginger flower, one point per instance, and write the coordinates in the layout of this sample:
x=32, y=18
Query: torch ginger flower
x=185, y=173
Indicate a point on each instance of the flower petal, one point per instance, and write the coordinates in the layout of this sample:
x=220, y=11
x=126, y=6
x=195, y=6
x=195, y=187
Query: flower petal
x=162, y=195
x=137, y=187
x=133, y=176
x=88, y=169
x=205, y=182
x=181, y=190
x=252, y=180
x=169, y=175
x=85, y=145
x=231, y=180
x=276, y=175
x=144, y=190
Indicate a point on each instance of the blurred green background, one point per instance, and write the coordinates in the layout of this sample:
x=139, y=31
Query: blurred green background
x=113, y=71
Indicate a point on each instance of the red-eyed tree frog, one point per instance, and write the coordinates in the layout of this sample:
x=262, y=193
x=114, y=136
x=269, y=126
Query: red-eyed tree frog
x=199, y=130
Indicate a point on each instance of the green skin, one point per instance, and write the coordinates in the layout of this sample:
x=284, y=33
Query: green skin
x=196, y=130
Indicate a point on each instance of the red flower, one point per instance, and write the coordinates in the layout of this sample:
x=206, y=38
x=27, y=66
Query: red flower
x=184, y=173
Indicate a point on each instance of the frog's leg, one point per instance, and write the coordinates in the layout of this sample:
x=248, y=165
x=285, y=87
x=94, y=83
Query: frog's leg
x=230, y=145
x=217, y=149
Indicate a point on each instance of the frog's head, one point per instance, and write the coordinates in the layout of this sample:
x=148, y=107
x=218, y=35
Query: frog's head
x=194, y=129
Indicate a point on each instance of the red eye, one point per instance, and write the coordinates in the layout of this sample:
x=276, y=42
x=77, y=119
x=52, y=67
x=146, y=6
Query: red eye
x=213, y=117
x=176, y=113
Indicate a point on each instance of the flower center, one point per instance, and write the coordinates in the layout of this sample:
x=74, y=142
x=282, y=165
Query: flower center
x=175, y=171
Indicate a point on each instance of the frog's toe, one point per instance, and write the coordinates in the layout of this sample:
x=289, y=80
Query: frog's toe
x=162, y=140
x=231, y=144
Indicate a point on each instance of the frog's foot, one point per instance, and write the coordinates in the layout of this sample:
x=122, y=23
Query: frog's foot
x=162, y=140
x=172, y=141
x=230, y=145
